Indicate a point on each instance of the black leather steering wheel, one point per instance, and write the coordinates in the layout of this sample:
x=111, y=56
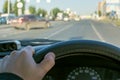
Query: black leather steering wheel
x=81, y=47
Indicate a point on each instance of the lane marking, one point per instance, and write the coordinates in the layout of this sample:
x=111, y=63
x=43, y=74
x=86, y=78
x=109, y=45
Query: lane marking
x=114, y=25
x=97, y=33
x=57, y=32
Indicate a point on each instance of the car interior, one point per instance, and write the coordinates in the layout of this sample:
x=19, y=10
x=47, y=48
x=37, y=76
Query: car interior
x=76, y=59
x=83, y=34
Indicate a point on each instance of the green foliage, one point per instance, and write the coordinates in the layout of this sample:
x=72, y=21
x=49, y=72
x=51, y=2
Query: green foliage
x=15, y=9
x=41, y=12
x=95, y=12
x=5, y=7
x=23, y=8
x=108, y=14
x=54, y=12
x=32, y=9
x=65, y=15
x=99, y=13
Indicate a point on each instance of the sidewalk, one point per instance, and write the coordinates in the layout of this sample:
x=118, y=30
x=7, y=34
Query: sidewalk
x=114, y=22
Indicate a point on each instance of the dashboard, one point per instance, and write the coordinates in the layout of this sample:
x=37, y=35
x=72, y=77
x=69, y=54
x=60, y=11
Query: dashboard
x=84, y=68
x=84, y=73
x=96, y=62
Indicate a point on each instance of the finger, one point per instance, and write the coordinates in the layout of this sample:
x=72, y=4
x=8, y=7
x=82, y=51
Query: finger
x=13, y=53
x=1, y=65
x=26, y=55
x=47, y=63
x=6, y=57
x=4, y=63
x=27, y=51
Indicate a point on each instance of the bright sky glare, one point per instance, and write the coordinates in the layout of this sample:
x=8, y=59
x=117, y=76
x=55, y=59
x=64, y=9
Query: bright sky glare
x=82, y=7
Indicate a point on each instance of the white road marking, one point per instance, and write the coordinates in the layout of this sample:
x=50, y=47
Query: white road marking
x=97, y=33
x=57, y=32
x=114, y=25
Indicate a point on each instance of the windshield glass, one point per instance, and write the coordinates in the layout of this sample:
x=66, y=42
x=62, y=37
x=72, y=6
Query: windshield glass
x=60, y=20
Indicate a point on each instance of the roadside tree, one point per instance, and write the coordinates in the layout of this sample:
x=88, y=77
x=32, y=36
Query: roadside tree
x=41, y=12
x=5, y=7
x=32, y=9
x=54, y=12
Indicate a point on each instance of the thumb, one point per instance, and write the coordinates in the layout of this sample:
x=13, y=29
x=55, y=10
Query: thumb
x=47, y=63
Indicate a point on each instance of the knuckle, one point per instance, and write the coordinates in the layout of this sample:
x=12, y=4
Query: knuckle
x=6, y=57
x=27, y=51
x=23, y=52
x=13, y=53
x=29, y=48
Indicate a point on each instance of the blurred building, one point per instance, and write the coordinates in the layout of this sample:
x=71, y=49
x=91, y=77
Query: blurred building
x=113, y=6
x=102, y=8
x=26, y=11
x=71, y=14
x=59, y=16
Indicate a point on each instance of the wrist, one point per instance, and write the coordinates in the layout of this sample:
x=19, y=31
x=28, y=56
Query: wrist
x=9, y=76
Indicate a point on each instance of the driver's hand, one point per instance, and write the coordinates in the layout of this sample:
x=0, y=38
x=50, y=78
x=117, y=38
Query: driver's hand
x=22, y=64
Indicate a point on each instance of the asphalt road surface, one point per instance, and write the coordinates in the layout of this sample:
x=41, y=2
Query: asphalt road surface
x=59, y=30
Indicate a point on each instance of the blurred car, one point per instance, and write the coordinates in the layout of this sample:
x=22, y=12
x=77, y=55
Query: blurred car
x=30, y=21
x=14, y=20
x=77, y=19
x=66, y=19
x=3, y=20
x=39, y=18
x=9, y=19
x=0, y=21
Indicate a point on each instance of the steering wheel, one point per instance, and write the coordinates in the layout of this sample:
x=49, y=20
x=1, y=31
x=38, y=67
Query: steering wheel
x=100, y=53
x=81, y=47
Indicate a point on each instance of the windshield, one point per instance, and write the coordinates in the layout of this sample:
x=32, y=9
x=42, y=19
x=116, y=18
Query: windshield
x=60, y=20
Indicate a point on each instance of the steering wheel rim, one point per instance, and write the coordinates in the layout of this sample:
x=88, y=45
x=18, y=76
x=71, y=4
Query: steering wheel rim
x=65, y=48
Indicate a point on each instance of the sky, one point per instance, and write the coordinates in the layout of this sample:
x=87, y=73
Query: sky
x=82, y=7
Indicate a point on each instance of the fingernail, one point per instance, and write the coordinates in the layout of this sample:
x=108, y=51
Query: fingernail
x=50, y=55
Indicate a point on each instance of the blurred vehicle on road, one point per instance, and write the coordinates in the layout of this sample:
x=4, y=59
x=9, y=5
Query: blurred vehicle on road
x=3, y=20
x=77, y=19
x=8, y=18
x=30, y=21
x=14, y=20
x=66, y=19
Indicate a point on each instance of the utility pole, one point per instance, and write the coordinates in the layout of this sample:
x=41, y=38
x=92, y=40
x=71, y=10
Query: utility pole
x=8, y=7
x=119, y=11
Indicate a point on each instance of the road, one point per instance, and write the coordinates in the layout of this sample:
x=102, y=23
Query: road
x=84, y=29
